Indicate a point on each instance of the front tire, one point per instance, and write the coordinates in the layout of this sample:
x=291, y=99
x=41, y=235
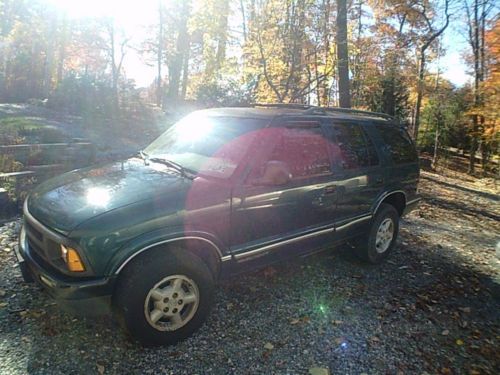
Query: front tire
x=379, y=242
x=164, y=296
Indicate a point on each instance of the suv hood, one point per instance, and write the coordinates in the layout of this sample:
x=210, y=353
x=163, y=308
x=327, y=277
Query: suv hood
x=66, y=201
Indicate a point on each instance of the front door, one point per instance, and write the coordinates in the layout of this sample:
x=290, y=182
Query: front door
x=265, y=213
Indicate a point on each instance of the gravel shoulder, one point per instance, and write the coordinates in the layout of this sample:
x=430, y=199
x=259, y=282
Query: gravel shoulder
x=432, y=308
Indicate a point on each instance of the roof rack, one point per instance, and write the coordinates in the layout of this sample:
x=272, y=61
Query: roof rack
x=323, y=110
x=282, y=105
x=314, y=110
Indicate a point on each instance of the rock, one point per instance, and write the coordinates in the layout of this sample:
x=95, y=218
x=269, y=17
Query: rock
x=319, y=371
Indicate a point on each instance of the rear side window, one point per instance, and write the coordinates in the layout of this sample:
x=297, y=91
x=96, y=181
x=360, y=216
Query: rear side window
x=355, y=149
x=398, y=143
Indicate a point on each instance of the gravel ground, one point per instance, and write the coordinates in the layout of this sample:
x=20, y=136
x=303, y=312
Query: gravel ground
x=433, y=308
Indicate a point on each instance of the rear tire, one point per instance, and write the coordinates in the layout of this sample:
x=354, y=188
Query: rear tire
x=380, y=240
x=164, y=296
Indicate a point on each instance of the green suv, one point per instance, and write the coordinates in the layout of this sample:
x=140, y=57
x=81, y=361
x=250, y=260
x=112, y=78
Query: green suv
x=222, y=191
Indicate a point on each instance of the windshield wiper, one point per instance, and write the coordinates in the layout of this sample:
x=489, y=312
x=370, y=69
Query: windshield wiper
x=169, y=163
x=144, y=157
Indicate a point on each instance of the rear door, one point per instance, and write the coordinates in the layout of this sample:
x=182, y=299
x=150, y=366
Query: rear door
x=358, y=175
x=402, y=169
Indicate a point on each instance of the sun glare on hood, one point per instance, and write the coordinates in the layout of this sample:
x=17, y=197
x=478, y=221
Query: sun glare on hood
x=98, y=197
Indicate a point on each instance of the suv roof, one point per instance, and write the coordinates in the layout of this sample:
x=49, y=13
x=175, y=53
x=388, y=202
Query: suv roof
x=274, y=110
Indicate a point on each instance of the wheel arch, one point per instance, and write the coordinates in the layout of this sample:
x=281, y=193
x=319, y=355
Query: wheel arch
x=202, y=247
x=396, y=198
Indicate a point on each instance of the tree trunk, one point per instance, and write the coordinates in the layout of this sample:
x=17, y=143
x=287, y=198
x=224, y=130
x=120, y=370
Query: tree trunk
x=420, y=93
x=50, y=56
x=222, y=38
x=433, y=34
x=159, y=56
x=325, y=92
x=436, y=148
x=477, y=74
x=185, y=75
x=175, y=67
x=62, y=51
x=243, y=20
x=343, y=55
x=114, y=73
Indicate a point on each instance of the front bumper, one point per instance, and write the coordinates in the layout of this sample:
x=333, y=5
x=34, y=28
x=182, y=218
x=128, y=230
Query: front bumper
x=81, y=297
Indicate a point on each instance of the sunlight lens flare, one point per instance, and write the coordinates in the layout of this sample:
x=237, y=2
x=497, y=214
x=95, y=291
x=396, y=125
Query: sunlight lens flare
x=194, y=128
x=98, y=197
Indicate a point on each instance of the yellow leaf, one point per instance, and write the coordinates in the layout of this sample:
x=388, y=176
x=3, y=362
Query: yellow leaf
x=319, y=371
x=269, y=346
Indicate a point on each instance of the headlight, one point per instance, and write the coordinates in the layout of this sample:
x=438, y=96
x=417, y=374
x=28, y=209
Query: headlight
x=72, y=259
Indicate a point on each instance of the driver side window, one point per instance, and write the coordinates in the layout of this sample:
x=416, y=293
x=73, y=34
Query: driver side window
x=300, y=149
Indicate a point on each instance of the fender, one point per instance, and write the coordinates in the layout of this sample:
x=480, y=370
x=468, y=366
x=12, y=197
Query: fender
x=157, y=237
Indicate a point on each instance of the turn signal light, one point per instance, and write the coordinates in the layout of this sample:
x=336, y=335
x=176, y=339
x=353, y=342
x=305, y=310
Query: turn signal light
x=72, y=259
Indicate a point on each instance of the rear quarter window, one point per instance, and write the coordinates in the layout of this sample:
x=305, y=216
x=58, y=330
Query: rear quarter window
x=356, y=150
x=398, y=143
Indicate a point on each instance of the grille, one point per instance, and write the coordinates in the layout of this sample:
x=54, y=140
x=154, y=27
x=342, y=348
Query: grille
x=43, y=249
x=34, y=232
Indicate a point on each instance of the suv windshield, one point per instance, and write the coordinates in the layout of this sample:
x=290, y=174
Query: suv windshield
x=209, y=145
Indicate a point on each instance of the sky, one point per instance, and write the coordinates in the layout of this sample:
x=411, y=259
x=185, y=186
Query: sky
x=452, y=64
x=132, y=15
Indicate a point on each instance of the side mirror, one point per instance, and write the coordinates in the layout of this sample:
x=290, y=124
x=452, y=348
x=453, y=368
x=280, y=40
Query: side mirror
x=276, y=173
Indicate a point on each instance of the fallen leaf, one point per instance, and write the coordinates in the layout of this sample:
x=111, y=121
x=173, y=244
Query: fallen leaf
x=294, y=321
x=464, y=309
x=459, y=342
x=337, y=322
x=446, y=371
x=269, y=346
x=445, y=332
x=270, y=272
x=37, y=314
x=319, y=371
x=100, y=369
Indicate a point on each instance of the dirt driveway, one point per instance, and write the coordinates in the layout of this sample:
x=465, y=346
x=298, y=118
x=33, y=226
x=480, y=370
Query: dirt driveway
x=432, y=308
